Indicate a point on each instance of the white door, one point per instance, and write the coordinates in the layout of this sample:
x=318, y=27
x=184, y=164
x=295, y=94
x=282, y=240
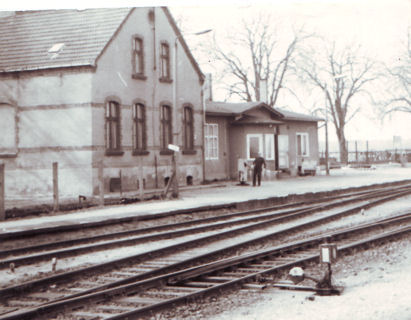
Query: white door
x=254, y=145
x=283, y=161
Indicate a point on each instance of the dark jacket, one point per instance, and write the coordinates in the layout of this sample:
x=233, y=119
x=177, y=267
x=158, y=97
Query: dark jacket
x=259, y=162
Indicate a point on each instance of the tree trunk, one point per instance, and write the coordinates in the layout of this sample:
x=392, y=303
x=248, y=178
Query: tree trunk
x=343, y=146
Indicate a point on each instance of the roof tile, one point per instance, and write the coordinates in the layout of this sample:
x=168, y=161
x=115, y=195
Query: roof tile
x=27, y=36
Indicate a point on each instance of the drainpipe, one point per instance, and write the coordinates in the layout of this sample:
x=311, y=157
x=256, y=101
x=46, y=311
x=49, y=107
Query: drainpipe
x=152, y=16
x=277, y=131
x=203, y=132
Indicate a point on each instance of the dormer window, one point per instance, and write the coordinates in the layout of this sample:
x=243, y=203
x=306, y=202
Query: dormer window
x=138, y=58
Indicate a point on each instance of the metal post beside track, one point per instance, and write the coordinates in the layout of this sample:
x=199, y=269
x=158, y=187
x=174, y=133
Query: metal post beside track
x=101, y=183
x=55, y=187
x=141, y=178
x=2, y=197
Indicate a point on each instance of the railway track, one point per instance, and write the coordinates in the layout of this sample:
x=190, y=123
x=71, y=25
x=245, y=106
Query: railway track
x=24, y=255
x=144, y=298
x=80, y=229
x=171, y=258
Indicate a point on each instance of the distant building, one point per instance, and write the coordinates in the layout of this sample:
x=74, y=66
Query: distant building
x=287, y=140
x=82, y=86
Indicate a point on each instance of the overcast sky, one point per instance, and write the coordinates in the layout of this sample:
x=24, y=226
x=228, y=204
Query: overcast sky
x=379, y=25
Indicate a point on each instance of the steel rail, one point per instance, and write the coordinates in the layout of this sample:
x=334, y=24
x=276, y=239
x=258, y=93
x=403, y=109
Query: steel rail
x=316, y=197
x=24, y=260
x=158, y=228
x=180, y=277
x=184, y=263
x=182, y=246
x=154, y=230
x=219, y=288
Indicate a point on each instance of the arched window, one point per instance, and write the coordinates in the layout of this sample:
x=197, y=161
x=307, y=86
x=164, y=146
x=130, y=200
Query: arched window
x=188, y=129
x=165, y=62
x=138, y=58
x=113, y=143
x=166, y=128
x=139, y=127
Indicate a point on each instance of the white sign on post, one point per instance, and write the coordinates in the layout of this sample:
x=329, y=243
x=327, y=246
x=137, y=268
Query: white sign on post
x=325, y=254
x=328, y=253
x=174, y=147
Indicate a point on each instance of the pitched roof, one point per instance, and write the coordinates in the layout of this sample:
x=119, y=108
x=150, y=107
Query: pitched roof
x=233, y=109
x=32, y=40
x=228, y=108
x=289, y=115
x=180, y=38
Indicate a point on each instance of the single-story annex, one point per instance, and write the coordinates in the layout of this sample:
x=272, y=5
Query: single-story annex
x=238, y=132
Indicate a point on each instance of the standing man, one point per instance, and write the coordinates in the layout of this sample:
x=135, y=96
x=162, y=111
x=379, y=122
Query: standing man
x=258, y=163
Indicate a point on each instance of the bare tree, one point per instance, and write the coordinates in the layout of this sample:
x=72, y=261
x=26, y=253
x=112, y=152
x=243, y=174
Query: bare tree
x=343, y=76
x=254, y=61
x=398, y=84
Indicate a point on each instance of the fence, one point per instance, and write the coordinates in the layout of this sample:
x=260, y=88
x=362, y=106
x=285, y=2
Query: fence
x=372, y=156
x=53, y=181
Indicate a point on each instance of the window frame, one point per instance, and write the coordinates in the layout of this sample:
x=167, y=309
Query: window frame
x=165, y=62
x=166, y=128
x=109, y=121
x=269, y=139
x=307, y=144
x=139, y=126
x=188, y=124
x=260, y=144
x=138, y=55
x=211, y=137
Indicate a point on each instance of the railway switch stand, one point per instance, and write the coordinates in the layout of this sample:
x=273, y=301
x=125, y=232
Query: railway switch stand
x=328, y=254
x=324, y=286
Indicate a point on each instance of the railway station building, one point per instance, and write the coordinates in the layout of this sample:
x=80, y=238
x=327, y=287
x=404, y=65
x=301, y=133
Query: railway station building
x=110, y=89
x=84, y=87
x=236, y=133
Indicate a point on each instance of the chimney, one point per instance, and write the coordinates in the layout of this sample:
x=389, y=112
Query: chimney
x=208, y=88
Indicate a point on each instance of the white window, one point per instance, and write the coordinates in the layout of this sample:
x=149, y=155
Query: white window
x=283, y=151
x=211, y=141
x=302, y=144
x=254, y=145
x=269, y=146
